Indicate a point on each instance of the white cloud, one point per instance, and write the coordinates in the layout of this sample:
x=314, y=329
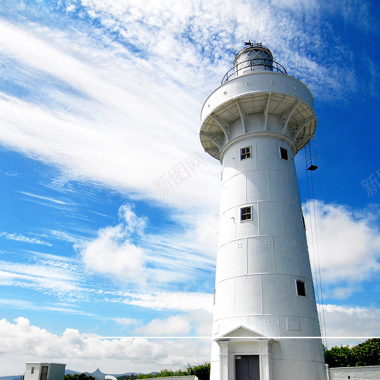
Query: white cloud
x=183, y=301
x=122, y=109
x=24, y=239
x=22, y=342
x=60, y=235
x=175, y=325
x=125, y=321
x=48, y=274
x=344, y=323
x=202, y=321
x=128, y=254
x=202, y=232
x=346, y=244
x=112, y=254
x=40, y=197
x=120, y=100
x=197, y=323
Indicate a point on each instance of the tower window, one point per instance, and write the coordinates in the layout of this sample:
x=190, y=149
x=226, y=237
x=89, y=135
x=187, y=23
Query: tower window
x=246, y=213
x=284, y=153
x=245, y=153
x=301, y=289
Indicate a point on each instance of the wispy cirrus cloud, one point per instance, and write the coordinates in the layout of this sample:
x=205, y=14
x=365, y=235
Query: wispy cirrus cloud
x=109, y=92
x=46, y=273
x=44, y=198
x=62, y=308
x=24, y=239
x=102, y=80
x=180, y=301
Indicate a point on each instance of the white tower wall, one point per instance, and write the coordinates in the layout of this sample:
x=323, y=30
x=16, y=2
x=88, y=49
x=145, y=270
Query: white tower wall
x=258, y=310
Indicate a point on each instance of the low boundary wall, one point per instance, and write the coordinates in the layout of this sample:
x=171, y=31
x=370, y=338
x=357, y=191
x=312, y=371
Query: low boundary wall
x=354, y=373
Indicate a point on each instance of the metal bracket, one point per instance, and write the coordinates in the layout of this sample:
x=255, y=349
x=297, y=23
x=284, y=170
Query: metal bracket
x=223, y=124
x=213, y=138
x=266, y=110
x=289, y=113
x=242, y=116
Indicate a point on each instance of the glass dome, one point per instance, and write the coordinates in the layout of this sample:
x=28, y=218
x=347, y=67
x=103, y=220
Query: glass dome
x=254, y=57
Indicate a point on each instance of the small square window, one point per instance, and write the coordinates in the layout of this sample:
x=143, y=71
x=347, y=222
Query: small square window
x=284, y=153
x=245, y=153
x=301, y=289
x=246, y=213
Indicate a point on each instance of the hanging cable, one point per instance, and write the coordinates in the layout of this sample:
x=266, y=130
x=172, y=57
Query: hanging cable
x=310, y=168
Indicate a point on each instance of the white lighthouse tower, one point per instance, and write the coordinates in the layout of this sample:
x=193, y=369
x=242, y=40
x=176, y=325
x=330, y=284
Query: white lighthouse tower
x=265, y=317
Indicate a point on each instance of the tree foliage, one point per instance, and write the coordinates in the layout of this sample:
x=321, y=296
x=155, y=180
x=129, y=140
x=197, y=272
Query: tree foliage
x=81, y=376
x=201, y=371
x=367, y=353
x=77, y=376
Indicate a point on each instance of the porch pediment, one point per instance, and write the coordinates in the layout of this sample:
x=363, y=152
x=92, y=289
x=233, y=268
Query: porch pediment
x=242, y=331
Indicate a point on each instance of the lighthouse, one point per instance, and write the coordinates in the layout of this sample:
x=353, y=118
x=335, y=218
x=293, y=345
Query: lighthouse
x=265, y=324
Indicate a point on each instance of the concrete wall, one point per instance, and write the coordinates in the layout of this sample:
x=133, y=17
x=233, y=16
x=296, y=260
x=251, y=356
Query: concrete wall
x=32, y=371
x=355, y=373
x=56, y=371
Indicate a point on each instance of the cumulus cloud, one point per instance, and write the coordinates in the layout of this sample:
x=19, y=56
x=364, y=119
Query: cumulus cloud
x=344, y=323
x=112, y=253
x=130, y=255
x=344, y=244
x=22, y=342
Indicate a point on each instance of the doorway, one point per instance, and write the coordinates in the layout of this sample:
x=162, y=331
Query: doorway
x=44, y=372
x=247, y=367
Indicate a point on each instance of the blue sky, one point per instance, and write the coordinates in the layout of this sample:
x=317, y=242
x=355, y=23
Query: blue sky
x=99, y=114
